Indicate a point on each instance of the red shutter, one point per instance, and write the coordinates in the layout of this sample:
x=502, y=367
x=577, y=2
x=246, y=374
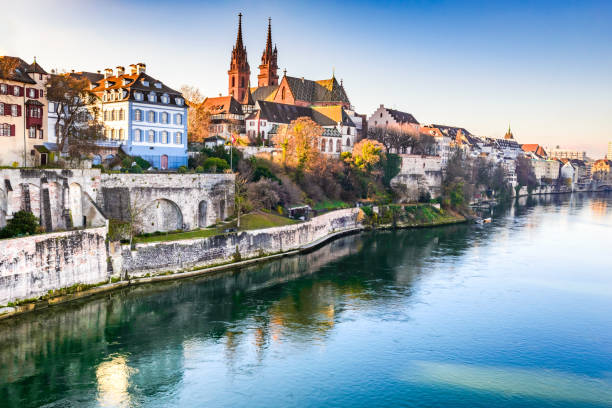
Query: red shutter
x=9, y=90
x=41, y=93
x=21, y=90
x=7, y=109
x=18, y=110
x=12, y=130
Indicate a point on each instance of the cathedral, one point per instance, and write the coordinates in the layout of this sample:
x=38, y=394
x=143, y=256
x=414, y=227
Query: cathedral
x=290, y=90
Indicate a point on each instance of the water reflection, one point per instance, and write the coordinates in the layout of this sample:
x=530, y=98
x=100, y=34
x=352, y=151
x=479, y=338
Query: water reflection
x=166, y=344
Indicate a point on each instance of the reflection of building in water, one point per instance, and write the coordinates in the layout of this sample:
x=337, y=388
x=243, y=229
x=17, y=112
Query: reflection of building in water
x=599, y=207
x=113, y=377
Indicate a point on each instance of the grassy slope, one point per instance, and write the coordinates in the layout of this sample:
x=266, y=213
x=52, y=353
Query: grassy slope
x=175, y=236
x=260, y=220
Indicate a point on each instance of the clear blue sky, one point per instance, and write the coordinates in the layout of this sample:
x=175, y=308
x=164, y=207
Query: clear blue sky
x=545, y=67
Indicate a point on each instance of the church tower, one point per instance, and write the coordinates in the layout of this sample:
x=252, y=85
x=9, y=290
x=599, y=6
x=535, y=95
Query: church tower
x=509, y=135
x=267, y=70
x=239, y=72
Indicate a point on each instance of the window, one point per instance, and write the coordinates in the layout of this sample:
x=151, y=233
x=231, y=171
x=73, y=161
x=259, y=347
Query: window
x=179, y=119
x=338, y=148
x=42, y=93
x=164, y=117
x=283, y=94
x=113, y=115
x=16, y=91
x=158, y=85
x=108, y=134
x=51, y=107
x=138, y=115
x=5, y=129
x=112, y=134
x=152, y=97
x=121, y=114
x=138, y=96
x=233, y=82
x=165, y=99
x=151, y=116
x=14, y=110
x=121, y=134
x=164, y=137
x=105, y=115
x=381, y=114
x=3, y=89
x=138, y=135
x=151, y=136
x=31, y=93
x=348, y=141
x=40, y=134
x=104, y=97
x=1, y=108
x=331, y=146
x=323, y=145
x=32, y=132
x=178, y=138
x=179, y=101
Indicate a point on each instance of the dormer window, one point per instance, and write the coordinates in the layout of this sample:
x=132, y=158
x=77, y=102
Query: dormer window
x=165, y=99
x=152, y=97
x=158, y=85
x=179, y=101
x=145, y=82
x=138, y=96
x=125, y=81
x=104, y=97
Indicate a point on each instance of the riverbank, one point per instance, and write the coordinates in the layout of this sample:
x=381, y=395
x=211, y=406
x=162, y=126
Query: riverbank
x=349, y=221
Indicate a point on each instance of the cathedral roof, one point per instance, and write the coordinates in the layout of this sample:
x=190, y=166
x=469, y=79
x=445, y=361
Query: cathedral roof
x=264, y=93
x=282, y=113
x=327, y=90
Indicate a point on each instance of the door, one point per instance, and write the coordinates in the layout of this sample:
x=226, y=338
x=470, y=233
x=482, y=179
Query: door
x=164, y=162
x=43, y=159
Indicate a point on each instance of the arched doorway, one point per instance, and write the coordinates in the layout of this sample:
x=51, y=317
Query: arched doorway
x=202, y=213
x=164, y=162
x=161, y=215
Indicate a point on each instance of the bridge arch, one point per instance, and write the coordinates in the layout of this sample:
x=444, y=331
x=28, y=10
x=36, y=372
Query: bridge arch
x=161, y=215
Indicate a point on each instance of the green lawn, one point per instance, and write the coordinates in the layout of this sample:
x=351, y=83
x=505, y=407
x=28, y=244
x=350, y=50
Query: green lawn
x=257, y=220
x=330, y=205
x=175, y=236
x=260, y=220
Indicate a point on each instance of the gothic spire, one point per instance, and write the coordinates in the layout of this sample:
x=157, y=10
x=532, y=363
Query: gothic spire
x=268, y=51
x=239, y=44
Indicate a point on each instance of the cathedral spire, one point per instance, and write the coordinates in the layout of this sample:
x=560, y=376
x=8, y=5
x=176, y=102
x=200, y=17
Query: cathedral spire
x=269, y=66
x=239, y=44
x=239, y=72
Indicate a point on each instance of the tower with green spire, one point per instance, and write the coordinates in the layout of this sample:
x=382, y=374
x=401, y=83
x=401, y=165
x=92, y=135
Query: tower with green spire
x=509, y=134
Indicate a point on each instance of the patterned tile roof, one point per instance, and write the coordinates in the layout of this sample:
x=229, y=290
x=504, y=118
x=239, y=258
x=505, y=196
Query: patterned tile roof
x=327, y=90
x=335, y=114
x=20, y=72
x=402, y=117
x=263, y=93
x=282, y=113
x=222, y=104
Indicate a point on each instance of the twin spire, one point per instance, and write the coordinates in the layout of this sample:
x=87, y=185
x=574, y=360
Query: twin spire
x=239, y=66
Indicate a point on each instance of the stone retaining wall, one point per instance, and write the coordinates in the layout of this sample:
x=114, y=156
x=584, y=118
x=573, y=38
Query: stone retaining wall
x=178, y=255
x=31, y=266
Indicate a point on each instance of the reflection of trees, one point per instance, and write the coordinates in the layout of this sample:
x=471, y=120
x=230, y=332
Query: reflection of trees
x=146, y=327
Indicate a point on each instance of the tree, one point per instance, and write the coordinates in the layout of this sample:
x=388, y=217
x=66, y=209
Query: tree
x=457, y=188
x=8, y=65
x=78, y=122
x=240, y=195
x=423, y=144
x=392, y=138
x=525, y=175
x=367, y=153
x=198, y=122
x=300, y=143
x=22, y=223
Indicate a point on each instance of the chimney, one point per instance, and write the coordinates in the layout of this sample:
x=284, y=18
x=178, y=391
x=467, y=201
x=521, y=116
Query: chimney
x=382, y=106
x=72, y=70
x=133, y=69
x=302, y=79
x=98, y=71
x=120, y=70
x=108, y=72
x=141, y=68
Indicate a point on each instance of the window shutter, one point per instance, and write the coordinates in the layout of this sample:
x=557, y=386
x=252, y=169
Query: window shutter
x=9, y=90
x=7, y=109
x=12, y=130
x=18, y=110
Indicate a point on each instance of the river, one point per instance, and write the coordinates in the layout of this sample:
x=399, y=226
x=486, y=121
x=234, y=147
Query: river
x=516, y=313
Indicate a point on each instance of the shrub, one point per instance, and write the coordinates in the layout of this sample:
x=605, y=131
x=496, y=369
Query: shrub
x=215, y=165
x=22, y=223
x=182, y=170
x=136, y=169
x=199, y=169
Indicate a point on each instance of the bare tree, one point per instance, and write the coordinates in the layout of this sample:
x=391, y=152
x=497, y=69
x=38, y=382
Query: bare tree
x=198, y=121
x=392, y=138
x=77, y=115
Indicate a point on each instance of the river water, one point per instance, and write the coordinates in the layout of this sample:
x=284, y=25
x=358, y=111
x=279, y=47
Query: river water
x=517, y=313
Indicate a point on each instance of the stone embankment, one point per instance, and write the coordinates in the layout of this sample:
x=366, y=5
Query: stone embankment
x=35, y=267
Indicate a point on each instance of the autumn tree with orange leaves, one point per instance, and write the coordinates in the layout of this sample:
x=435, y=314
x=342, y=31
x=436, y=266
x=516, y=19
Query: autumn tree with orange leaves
x=300, y=143
x=198, y=117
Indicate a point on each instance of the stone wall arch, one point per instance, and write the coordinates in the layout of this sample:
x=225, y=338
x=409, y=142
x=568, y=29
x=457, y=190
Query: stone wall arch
x=161, y=215
x=203, y=214
x=76, y=204
x=3, y=207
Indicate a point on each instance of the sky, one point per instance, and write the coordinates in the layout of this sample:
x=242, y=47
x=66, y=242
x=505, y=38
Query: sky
x=543, y=67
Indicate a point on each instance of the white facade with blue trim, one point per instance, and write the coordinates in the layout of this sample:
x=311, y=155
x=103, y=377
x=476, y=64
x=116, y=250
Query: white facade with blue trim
x=144, y=117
